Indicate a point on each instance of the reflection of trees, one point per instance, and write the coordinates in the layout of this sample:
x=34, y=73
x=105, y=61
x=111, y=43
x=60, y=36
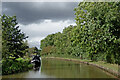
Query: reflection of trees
x=68, y=69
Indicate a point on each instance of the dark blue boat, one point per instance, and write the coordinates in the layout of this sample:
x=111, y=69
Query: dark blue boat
x=36, y=61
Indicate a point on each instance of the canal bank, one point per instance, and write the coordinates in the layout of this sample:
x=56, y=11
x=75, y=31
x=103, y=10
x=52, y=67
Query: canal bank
x=56, y=68
x=101, y=65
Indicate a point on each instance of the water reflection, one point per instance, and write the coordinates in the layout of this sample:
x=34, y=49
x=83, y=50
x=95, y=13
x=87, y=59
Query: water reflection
x=68, y=69
x=52, y=68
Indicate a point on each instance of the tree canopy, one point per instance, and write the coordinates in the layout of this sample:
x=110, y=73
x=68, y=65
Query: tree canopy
x=13, y=40
x=96, y=36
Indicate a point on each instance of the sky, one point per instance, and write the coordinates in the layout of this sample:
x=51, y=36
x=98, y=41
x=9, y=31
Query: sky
x=39, y=19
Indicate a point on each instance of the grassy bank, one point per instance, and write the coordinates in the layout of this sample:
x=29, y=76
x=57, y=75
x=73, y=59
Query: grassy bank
x=111, y=68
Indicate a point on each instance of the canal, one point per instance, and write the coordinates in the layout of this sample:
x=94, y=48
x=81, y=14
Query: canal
x=52, y=68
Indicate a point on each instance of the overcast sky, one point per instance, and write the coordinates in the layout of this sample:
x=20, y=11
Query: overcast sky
x=39, y=19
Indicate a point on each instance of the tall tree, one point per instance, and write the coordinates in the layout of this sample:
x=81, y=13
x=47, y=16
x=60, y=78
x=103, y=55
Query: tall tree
x=99, y=24
x=96, y=36
x=13, y=44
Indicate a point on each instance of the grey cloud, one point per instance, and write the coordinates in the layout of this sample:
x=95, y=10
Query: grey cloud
x=33, y=12
x=31, y=17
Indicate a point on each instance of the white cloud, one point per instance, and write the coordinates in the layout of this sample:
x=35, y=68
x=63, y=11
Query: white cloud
x=37, y=32
x=46, y=26
x=35, y=41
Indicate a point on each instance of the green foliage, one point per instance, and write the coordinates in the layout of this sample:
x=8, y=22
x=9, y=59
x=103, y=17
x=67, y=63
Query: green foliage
x=0, y=44
x=13, y=44
x=33, y=51
x=96, y=36
x=14, y=47
x=48, y=50
x=59, y=42
x=16, y=66
x=99, y=27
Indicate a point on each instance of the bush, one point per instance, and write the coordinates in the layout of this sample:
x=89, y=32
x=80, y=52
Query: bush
x=10, y=66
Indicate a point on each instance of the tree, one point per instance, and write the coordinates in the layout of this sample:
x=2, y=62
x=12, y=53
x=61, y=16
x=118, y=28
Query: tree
x=99, y=29
x=13, y=40
x=96, y=36
x=0, y=41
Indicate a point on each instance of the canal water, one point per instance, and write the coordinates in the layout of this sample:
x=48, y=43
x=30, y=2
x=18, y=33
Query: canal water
x=52, y=68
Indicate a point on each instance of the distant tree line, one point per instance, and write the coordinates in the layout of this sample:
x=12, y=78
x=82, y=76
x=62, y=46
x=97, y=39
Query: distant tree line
x=96, y=35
